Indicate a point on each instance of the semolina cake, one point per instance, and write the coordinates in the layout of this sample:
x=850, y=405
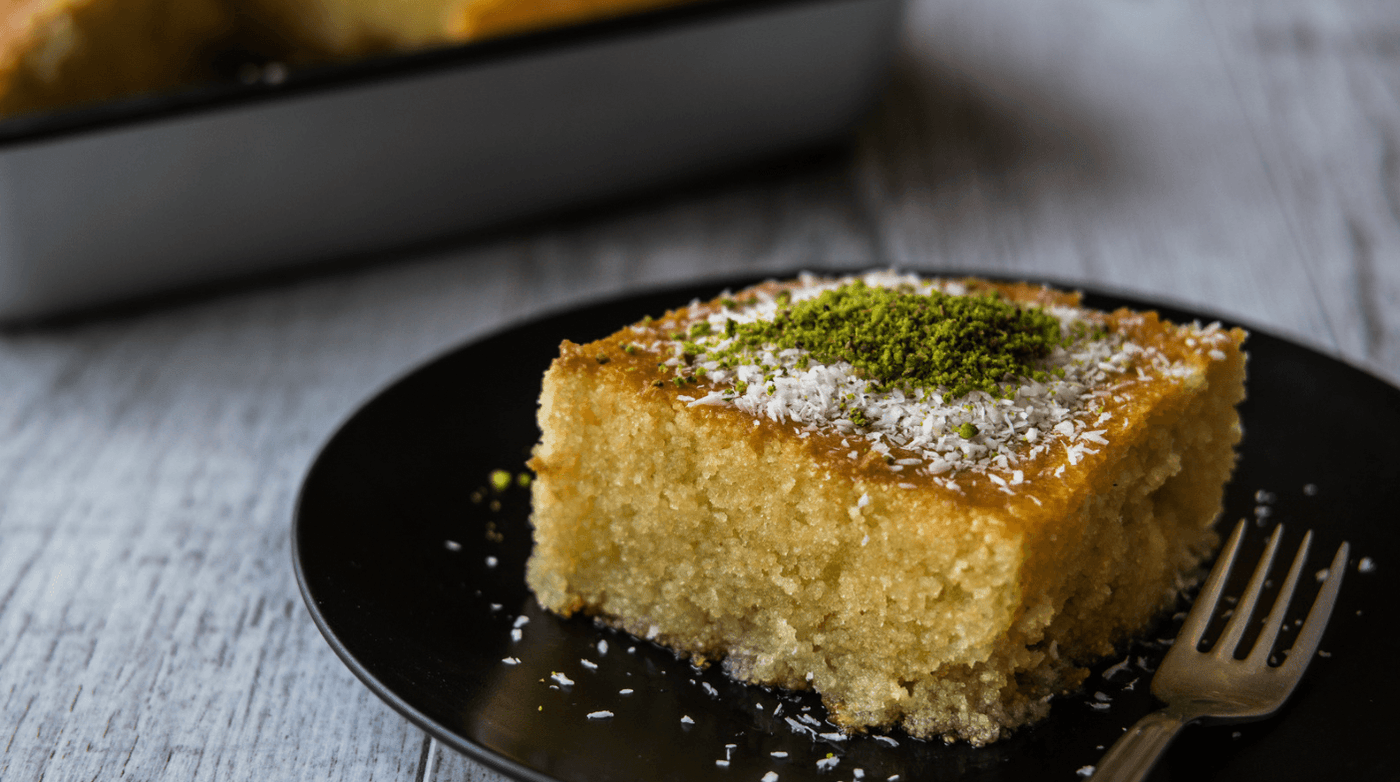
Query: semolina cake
x=931, y=501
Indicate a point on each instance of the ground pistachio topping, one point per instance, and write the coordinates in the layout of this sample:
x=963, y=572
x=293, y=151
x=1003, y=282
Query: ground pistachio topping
x=924, y=376
x=899, y=337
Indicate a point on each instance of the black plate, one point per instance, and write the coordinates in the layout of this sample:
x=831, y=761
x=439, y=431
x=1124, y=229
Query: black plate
x=418, y=586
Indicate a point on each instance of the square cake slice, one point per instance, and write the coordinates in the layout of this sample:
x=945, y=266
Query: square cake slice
x=932, y=501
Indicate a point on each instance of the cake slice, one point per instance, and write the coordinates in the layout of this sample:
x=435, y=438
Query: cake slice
x=932, y=501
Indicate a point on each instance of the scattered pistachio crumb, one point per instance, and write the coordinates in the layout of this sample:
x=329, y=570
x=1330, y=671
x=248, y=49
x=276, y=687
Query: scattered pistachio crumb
x=500, y=480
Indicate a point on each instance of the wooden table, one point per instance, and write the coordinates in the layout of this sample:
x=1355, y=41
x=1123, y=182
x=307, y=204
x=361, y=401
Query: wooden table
x=1240, y=157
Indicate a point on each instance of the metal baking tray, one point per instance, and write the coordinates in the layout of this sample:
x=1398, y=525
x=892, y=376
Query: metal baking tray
x=127, y=199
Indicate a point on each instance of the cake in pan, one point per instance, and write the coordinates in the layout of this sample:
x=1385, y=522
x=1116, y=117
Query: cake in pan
x=59, y=53
x=932, y=501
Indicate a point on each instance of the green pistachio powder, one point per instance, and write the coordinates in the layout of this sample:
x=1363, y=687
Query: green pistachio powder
x=899, y=338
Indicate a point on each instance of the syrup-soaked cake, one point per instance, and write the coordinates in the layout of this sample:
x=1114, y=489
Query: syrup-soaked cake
x=932, y=501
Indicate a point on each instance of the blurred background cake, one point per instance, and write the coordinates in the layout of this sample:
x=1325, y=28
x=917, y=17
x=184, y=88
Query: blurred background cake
x=329, y=29
x=58, y=53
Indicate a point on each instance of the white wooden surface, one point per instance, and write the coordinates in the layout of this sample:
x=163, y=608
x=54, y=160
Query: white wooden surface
x=1238, y=156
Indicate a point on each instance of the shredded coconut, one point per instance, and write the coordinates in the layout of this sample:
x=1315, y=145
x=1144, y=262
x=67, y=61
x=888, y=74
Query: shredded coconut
x=917, y=430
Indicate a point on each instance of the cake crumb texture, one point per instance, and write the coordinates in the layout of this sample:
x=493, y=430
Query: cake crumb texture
x=949, y=601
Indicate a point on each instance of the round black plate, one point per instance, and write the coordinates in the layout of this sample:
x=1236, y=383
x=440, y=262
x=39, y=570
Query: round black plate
x=413, y=570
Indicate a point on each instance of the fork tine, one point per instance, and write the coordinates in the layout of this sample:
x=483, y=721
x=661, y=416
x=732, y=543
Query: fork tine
x=1305, y=645
x=1244, y=609
x=1264, y=645
x=1199, y=618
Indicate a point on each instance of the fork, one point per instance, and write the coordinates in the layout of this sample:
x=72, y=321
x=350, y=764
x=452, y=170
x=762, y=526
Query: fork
x=1213, y=687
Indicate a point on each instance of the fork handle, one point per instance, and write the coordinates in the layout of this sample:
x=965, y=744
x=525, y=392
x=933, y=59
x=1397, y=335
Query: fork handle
x=1137, y=751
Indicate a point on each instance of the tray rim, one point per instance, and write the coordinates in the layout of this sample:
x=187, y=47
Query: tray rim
x=198, y=99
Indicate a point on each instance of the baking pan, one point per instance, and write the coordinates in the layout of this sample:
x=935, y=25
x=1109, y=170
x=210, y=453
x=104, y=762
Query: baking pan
x=135, y=197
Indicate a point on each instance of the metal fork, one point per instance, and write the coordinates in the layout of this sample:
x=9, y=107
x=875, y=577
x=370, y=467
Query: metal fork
x=1213, y=686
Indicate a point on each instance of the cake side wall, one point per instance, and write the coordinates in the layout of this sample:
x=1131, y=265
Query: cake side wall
x=711, y=534
x=1145, y=511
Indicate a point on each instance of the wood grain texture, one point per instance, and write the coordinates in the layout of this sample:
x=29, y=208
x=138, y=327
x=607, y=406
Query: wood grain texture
x=1240, y=157
x=1320, y=86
